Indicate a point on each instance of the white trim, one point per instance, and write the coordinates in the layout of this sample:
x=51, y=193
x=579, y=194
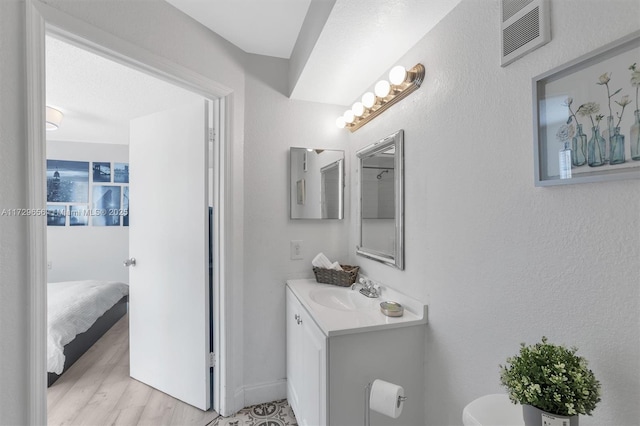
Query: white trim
x=238, y=398
x=230, y=352
x=36, y=195
x=231, y=374
x=220, y=316
x=265, y=392
x=42, y=19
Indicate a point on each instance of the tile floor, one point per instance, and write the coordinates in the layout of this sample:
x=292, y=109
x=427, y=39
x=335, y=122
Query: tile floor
x=276, y=413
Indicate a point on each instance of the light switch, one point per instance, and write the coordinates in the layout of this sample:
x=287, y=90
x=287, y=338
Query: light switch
x=296, y=250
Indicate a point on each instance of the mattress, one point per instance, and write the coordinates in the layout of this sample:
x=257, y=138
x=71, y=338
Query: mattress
x=73, y=307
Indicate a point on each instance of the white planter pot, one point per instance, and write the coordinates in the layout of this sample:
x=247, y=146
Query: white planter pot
x=536, y=417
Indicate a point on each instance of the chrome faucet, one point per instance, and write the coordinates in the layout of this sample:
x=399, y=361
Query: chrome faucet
x=368, y=288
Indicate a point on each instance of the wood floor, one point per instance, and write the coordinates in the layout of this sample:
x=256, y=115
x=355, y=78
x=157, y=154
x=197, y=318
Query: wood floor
x=97, y=391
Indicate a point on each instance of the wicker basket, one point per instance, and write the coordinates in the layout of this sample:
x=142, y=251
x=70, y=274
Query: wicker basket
x=343, y=278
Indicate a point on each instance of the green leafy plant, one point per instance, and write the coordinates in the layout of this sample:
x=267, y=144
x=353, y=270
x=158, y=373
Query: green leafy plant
x=551, y=378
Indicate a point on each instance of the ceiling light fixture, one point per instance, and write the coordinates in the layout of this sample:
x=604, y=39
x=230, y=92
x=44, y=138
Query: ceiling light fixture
x=401, y=83
x=54, y=118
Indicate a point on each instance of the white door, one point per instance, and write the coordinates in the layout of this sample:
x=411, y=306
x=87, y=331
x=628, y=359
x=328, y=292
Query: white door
x=168, y=237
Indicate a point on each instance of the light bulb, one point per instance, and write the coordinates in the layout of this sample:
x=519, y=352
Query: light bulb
x=358, y=109
x=348, y=116
x=382, y=88
x=397, y=75
x=340, y=122
x=368, y=100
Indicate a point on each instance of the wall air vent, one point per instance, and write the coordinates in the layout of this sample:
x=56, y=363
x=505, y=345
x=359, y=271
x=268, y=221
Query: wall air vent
x=525, y=27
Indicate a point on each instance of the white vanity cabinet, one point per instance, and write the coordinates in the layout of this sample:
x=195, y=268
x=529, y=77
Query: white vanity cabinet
x=306, y=365
x=333, y=354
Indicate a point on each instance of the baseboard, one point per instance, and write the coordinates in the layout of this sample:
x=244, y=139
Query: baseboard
x=238, y=401
x=265, y=392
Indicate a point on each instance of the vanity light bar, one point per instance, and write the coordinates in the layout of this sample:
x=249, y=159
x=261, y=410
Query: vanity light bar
x=386, y=93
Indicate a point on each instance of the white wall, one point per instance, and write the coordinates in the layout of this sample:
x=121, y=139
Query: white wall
x=14, y=321
x=273, y=124
x=143, y=24
x=499, y=261
x=482, y=242
x=87, y=252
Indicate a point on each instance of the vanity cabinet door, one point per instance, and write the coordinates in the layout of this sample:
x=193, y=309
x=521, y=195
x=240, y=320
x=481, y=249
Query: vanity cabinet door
x=294, y=353
x=306, y=365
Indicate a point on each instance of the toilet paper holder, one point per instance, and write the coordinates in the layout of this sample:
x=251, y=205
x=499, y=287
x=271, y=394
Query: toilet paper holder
x=367, y=403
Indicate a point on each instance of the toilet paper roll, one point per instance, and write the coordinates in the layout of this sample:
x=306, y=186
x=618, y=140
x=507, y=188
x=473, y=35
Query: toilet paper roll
x=385, y=398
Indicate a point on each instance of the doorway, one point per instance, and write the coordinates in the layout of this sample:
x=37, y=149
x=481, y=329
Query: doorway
x=38, y=27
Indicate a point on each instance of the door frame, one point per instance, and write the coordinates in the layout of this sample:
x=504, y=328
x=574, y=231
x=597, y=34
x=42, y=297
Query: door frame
x=42, y=20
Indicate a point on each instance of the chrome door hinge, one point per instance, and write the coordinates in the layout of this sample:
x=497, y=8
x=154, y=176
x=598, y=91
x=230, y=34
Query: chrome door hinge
x=212, y=359
x=212, y=135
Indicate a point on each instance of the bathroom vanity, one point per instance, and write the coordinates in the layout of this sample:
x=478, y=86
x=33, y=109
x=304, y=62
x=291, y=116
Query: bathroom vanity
x=338, y=341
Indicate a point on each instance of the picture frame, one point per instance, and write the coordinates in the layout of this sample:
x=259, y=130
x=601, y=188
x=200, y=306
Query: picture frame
x=589, y=107
x=101, y=172
x=106, y=209
x=125, y=205
x=121, y=172
x=67, y=181
x=56, y=215
x=79, y=215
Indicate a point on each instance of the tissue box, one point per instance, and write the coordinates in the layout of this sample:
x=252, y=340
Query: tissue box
x=343, y=278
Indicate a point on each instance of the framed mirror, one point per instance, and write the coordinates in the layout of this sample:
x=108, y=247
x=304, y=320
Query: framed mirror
x=381, y=207
x=316, y=183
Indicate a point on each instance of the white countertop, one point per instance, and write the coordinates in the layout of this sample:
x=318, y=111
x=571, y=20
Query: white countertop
x=335, y=322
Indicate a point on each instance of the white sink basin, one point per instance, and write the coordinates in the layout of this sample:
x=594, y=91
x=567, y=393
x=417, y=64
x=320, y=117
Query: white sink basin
x=342, y=299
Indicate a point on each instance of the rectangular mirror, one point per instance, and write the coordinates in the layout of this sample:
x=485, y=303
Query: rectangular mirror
x=381, y=210
x=316, y=183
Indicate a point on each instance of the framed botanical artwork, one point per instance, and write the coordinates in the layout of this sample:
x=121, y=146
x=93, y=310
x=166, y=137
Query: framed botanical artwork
x=587, y=117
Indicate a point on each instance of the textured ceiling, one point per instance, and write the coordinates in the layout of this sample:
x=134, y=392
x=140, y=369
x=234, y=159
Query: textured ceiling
x=99, y=97
x=264, y=27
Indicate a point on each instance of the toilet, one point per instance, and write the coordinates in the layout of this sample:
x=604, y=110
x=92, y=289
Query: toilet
x=492, y=410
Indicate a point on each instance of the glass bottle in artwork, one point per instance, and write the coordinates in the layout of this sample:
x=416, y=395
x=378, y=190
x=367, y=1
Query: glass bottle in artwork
x=634, y=137
x=616, y=148
x=596, y=148
x=608, y=137
x=564, y=159
x=579, y=148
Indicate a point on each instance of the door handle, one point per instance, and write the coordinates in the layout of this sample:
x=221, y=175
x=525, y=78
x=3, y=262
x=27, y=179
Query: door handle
x=130, y=262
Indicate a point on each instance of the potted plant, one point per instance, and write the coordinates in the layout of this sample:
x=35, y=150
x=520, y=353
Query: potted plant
x=552, y=383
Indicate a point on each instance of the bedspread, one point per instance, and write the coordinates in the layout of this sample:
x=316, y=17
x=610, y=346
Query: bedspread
x=73, y=307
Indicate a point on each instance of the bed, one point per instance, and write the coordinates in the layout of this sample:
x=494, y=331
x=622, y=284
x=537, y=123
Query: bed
x=79, y=313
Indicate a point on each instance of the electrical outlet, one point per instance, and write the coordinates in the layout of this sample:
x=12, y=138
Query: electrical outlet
x=49, y=264
x=296, y=250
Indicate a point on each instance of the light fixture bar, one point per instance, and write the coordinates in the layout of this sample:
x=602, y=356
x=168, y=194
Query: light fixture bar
x=413, y=79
